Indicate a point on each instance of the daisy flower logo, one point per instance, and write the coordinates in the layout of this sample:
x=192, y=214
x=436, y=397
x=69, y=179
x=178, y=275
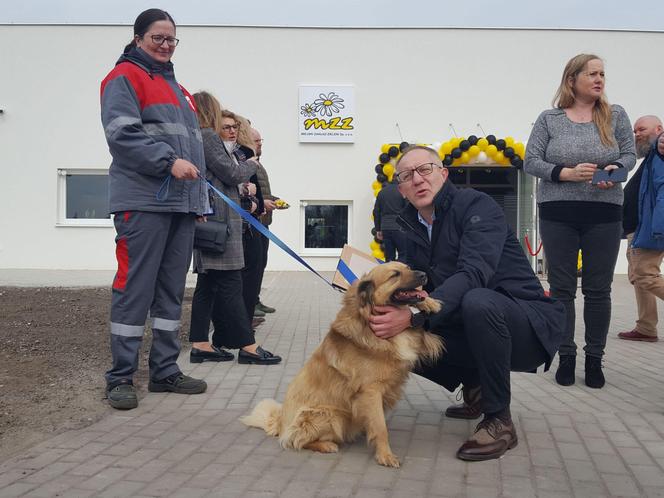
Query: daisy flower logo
x=308, y=110
x=325, y=105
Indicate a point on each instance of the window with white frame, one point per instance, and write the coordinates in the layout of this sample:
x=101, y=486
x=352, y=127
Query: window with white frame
x=83, y=197
x=326, y=227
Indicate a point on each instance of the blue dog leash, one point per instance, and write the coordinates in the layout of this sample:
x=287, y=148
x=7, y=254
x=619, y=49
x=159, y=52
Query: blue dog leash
x=342, y=267
x=267, y=233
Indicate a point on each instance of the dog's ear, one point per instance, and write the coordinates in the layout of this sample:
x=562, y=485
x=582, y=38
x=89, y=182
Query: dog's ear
x=365, y=292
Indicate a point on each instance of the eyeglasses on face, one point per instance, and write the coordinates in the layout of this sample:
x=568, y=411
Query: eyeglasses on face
x=422, y=170
x=258, y=141
x=160, y=39
x=231, y=127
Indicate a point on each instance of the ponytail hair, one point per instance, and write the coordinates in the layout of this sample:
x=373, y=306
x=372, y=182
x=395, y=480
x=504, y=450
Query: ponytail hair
x=143, y=22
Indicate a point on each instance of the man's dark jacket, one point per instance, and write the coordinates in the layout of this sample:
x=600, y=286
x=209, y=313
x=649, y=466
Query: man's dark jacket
x=473, y=247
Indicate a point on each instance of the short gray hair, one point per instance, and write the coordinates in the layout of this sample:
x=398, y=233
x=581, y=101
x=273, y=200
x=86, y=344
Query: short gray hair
x=411, y=148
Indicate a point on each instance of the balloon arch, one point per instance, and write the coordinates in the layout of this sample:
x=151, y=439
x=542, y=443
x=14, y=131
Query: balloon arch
x=456, y=152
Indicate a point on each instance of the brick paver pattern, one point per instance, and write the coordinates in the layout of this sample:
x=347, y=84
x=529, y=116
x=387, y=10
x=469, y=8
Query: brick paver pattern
x=573, y=441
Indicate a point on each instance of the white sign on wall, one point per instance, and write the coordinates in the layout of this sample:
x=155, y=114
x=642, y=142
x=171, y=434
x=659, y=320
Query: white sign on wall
x=327, y=113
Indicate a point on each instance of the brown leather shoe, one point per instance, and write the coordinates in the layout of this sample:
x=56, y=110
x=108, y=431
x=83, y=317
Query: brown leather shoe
x=256, y=321
x=470, y=408
x=634, y=335
x=492, y=438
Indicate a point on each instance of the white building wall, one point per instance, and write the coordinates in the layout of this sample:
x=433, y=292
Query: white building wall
x=423, y=79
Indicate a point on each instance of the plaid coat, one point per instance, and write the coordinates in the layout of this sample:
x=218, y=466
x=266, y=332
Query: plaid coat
x=225, y=175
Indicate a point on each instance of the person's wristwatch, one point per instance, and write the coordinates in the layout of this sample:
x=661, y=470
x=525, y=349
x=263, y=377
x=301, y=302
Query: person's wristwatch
x=417, y=317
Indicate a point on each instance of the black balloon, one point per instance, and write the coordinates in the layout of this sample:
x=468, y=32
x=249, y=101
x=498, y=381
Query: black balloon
x=509, y=152
x=373, y=231
x=517, y=162
x=393, y=151
x=403, y=145
x=491, y=139
x=472, y=139
x=381, y=177
x=465, y=145
x=456, y=153
x=384, y=158
x=379, y=168
x=447, y=160
x=500, y=144
x=377, y=241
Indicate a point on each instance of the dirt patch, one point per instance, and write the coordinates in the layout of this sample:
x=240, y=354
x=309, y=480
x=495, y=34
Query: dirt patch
x=54, y=350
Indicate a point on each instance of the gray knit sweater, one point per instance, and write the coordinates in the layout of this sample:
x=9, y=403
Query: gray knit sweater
x=557, y=141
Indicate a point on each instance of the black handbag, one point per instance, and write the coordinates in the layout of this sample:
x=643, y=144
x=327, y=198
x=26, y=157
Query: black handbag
x=211, y=236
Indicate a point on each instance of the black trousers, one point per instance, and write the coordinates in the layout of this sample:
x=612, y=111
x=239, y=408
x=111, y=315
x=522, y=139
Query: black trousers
x=252, y=242
x=394, y=242
x=599, y=244
x=218, y=296
x=488, y=338
x=266, y=246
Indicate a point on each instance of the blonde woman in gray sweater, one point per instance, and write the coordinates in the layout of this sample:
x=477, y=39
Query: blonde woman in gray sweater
x=568, y=143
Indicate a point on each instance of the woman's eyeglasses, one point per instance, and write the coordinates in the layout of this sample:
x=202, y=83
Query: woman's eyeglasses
x=160, y=39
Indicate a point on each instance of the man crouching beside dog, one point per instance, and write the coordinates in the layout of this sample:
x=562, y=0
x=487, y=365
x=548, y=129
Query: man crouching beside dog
x=495, y=317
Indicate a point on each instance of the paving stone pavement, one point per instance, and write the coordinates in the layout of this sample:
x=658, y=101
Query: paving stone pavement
x=573, y=441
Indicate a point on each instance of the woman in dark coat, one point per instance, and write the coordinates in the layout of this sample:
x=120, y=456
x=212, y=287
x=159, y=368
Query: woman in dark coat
x=218, y=294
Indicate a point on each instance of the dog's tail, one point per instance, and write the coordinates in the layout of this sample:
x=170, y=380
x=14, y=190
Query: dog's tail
x=266, y=415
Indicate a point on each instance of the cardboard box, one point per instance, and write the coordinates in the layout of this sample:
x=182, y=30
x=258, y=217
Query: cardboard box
x=353, y=263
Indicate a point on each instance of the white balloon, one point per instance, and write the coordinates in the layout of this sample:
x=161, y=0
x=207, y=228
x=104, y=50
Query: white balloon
x=482, y=157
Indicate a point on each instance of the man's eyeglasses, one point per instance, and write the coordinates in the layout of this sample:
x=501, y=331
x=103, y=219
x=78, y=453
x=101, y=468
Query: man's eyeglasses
x=407, y=175
x=231, y=127
x=159, y=39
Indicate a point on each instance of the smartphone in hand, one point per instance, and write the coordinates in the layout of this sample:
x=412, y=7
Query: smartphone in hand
x=612, y=175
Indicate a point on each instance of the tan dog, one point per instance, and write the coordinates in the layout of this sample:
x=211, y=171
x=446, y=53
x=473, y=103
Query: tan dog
x=353, y=376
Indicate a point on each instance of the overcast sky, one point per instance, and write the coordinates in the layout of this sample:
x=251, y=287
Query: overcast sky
x=584, y=14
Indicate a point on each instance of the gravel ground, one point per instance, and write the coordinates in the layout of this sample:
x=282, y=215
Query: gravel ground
x=53, y=354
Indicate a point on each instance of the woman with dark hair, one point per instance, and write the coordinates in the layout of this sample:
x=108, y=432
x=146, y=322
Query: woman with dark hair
x=219, y=285
x=567, y=145
x=155, y=194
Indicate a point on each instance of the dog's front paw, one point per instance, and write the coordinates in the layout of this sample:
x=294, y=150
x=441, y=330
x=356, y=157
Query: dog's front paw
x=430, y=305
x=387, y=459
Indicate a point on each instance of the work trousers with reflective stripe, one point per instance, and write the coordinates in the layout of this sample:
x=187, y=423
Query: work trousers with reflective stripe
x=153, y=252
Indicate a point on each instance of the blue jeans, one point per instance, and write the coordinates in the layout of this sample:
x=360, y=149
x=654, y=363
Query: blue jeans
x=599, y=244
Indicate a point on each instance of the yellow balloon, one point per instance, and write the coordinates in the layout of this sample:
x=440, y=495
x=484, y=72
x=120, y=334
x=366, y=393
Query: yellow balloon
x=388, y=170
x=509, y=141
x=376, y=190
x=473, y=150
x=482, y=143
x=377, y=253
x=491, y=151
x=499, y=157
x=374, y=245
x=446, y=148
x=465, y=158
x=385, y=148
x=520, y=149
x=376, y=184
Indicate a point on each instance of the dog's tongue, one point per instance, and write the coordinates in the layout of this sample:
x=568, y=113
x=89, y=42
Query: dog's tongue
x=410, y=294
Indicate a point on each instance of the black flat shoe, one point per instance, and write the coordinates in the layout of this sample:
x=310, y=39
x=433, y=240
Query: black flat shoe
x=262, y=357
x=199, y=356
